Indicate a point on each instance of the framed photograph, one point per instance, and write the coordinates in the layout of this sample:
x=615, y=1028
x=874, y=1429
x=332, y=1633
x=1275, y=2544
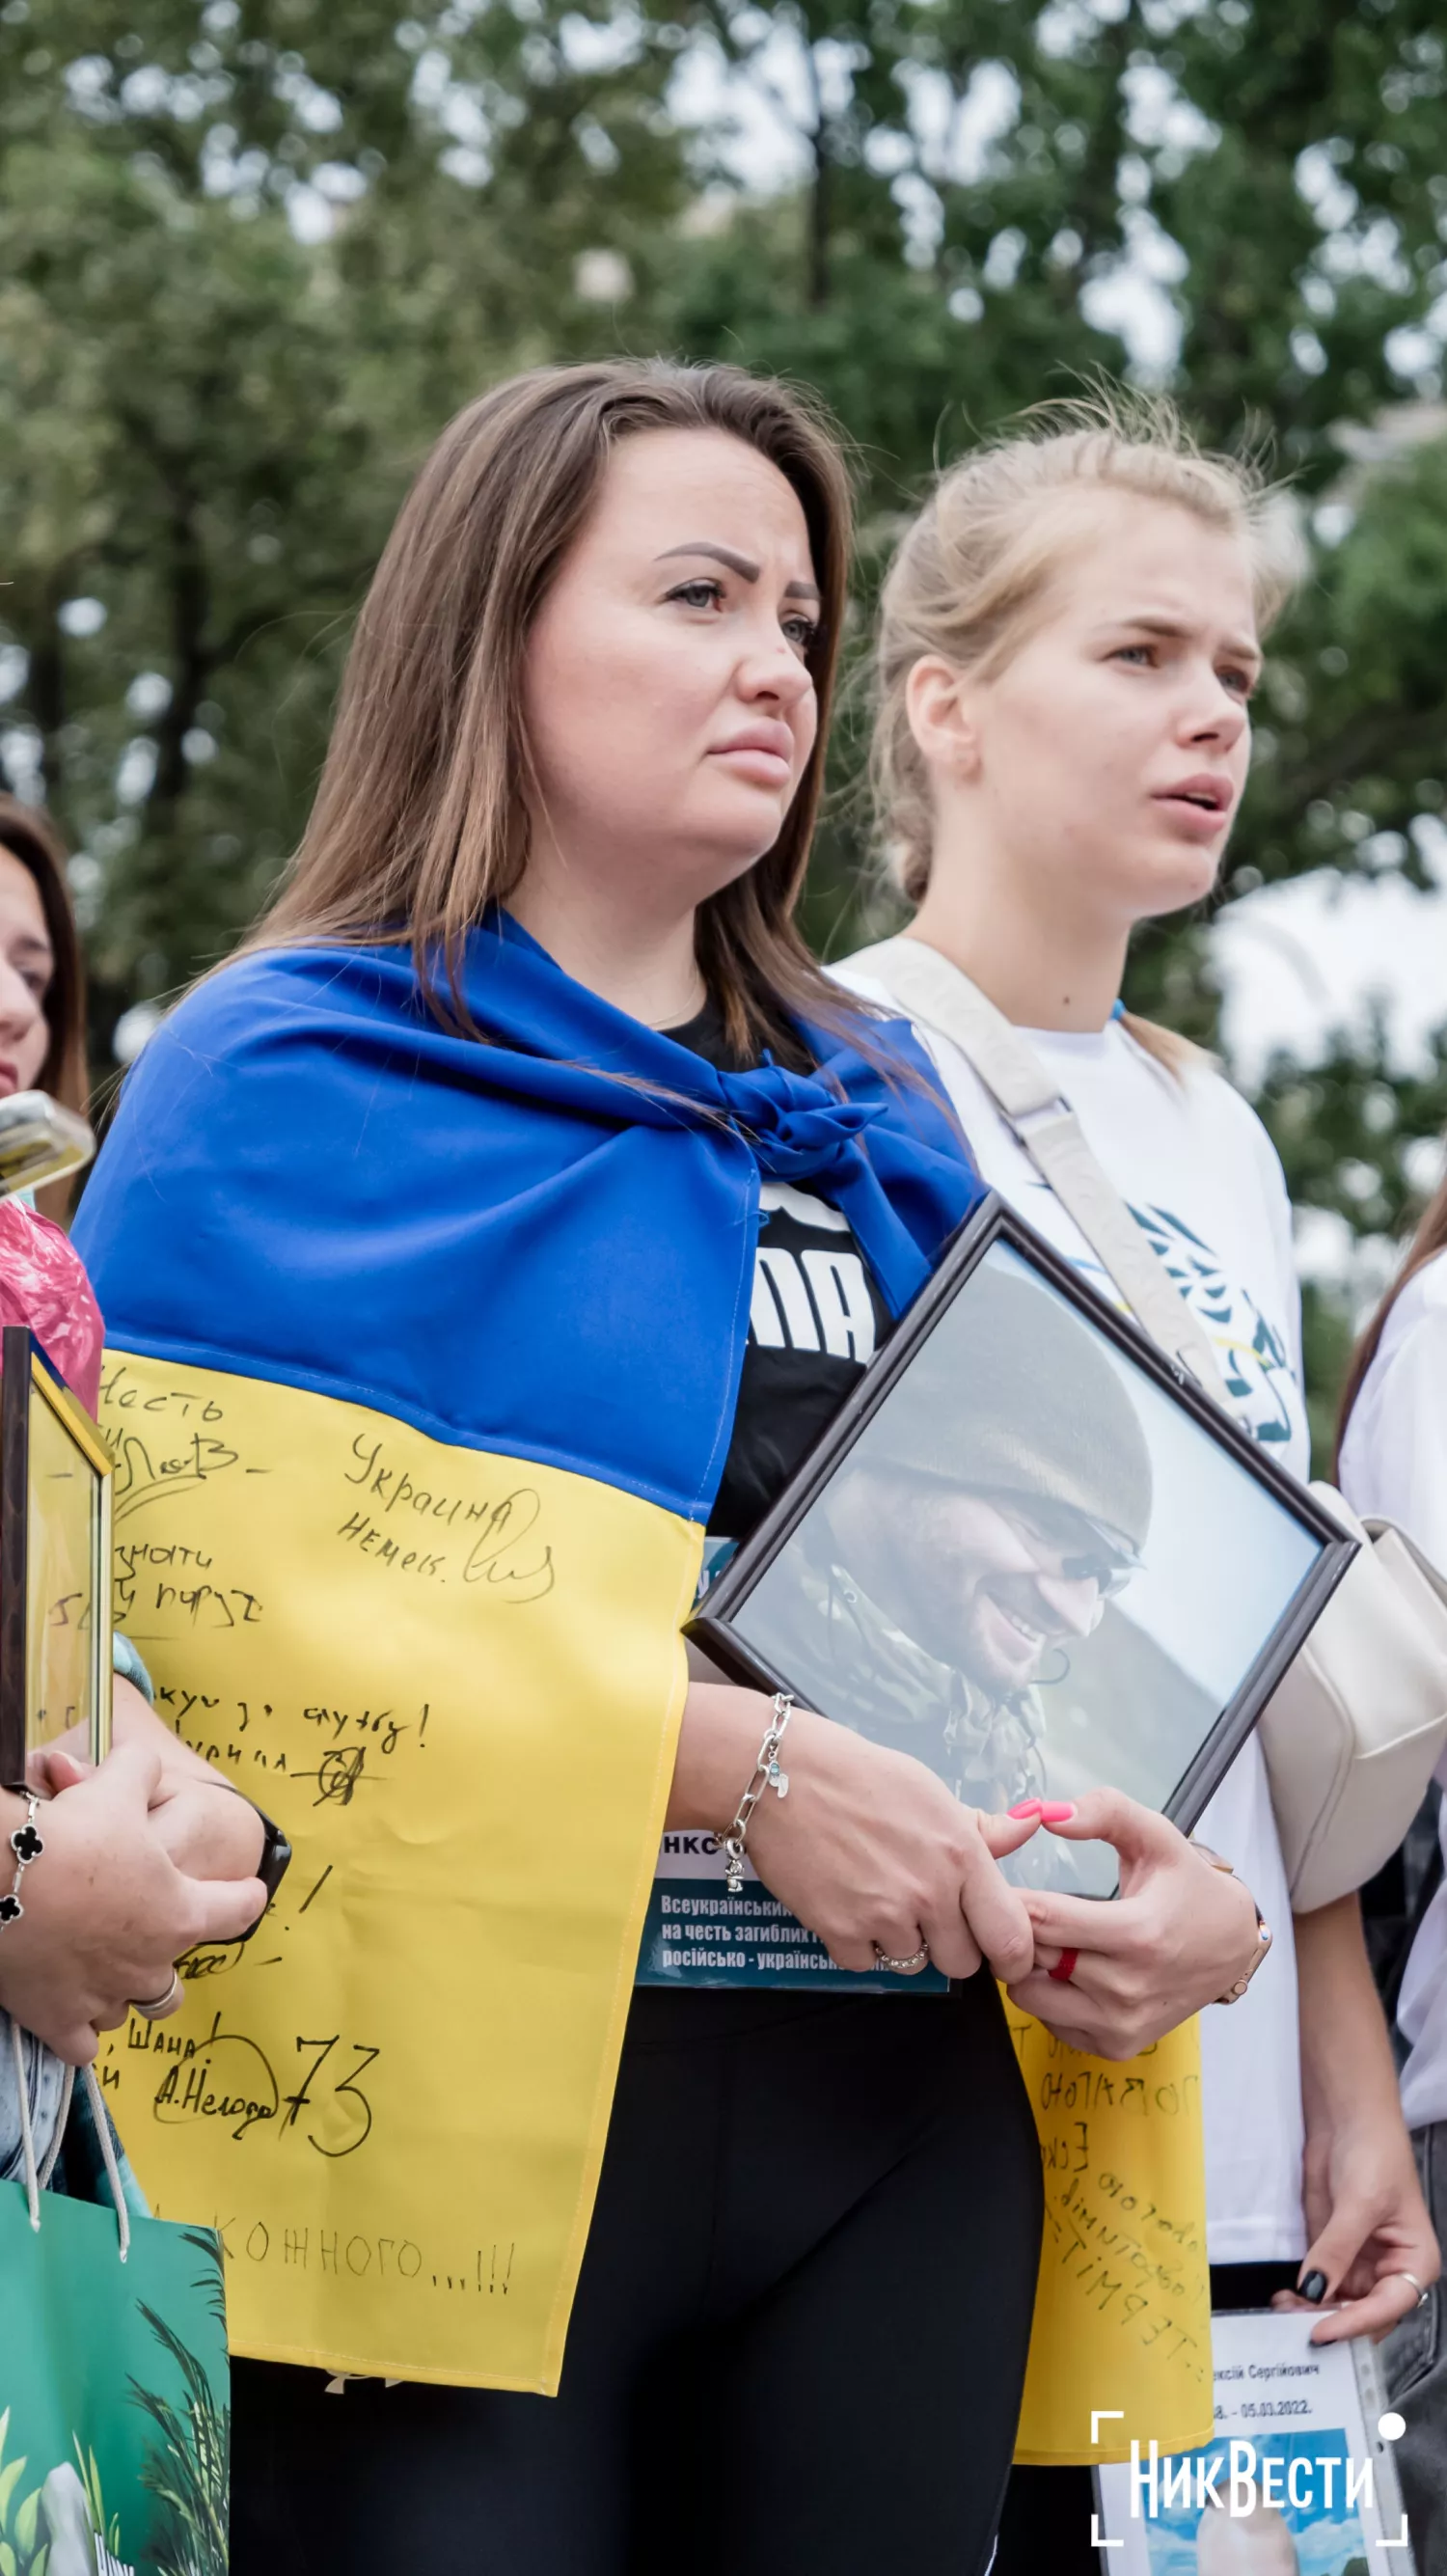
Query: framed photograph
x=55, y=1563
x=1299, y=2479
x=1032, y=1553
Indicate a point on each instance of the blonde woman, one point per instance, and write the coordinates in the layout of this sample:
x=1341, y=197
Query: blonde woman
x=1069, y=642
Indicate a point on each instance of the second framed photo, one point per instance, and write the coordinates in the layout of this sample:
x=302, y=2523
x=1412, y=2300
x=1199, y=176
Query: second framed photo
x=1032, y=1555
x=55, y=1564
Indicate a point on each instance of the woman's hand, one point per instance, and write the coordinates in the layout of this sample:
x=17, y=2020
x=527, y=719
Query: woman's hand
x=1365, y=2213
x=208, y=1829
x=107, y=1911
x=868, y=1847
x=1179, y=1935
x=1368, y=2224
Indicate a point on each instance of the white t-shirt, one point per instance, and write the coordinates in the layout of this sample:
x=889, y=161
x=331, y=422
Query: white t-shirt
x=1394, y=1461
x=1198, y=1171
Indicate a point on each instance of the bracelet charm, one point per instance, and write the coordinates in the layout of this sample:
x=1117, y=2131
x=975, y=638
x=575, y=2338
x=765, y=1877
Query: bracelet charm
x=768, y=1773
x=27, y=1844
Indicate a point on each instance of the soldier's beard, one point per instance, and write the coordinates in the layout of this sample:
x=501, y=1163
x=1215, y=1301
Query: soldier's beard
x=999, y=1634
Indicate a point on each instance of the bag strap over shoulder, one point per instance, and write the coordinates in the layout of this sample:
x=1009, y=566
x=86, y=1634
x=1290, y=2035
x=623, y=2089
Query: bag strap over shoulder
x=1045, y=1127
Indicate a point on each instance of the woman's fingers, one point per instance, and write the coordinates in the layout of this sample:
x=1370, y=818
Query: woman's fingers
x=78, y=2043
x=1062, y=2011
x=1082, y=1922
x=56, y=1770
x=1085, y=2014
x=1375, y=2313
x=1002, y=1835
x=227, y=1907
x=996, y=1912
x=1139, y=1834
x=952, y=1947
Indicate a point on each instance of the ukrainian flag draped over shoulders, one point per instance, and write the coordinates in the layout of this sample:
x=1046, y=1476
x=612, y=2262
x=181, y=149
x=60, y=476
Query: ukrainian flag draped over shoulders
x=423, y=1358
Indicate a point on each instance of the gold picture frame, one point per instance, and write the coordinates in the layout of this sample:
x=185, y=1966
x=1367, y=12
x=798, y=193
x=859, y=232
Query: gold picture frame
x=55, y=1564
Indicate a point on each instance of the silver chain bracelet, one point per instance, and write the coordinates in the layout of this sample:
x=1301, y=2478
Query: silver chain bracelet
x=768, y=1773
x=27, y=1846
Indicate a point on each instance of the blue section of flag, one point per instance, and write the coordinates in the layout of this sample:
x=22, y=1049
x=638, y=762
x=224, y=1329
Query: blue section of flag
x=540, y=1244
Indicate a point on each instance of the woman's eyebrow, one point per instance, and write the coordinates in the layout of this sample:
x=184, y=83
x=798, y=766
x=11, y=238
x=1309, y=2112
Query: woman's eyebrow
x=1182, y=630
x=743, y=565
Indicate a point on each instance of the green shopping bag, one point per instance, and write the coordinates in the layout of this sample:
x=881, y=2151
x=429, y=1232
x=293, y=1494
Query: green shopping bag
x=115, y=2430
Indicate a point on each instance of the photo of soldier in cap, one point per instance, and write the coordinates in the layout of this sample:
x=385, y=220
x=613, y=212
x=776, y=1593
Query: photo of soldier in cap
x=995, y=1503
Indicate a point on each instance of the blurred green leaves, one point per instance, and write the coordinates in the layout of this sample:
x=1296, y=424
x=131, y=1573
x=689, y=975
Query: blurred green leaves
x=253, y=253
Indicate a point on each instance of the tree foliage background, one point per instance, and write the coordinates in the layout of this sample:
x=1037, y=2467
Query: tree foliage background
x=252, y=253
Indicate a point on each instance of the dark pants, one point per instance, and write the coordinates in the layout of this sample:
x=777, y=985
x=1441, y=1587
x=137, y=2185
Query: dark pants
x=798, y=2345
x=1045, y=2529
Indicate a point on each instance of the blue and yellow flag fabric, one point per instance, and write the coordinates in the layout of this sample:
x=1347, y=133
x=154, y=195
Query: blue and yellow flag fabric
x=422, y=1368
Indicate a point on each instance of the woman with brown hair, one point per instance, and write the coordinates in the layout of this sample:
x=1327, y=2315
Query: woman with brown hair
x=1392, y=1461
x=42, y=981
x=460, y=1176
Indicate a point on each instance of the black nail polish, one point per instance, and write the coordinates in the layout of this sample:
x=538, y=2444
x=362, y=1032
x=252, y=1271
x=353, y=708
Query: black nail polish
x=1313, y=2288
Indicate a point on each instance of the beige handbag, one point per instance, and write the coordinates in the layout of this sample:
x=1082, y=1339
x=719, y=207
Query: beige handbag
x=1356, y=1728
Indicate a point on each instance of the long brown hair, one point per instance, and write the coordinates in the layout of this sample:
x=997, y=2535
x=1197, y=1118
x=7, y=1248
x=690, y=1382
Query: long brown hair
x=30, y=836
x=1429, y=1239
x=420, y=820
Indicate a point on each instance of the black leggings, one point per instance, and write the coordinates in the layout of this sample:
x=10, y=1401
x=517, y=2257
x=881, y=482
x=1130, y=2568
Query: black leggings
x=798, y=2345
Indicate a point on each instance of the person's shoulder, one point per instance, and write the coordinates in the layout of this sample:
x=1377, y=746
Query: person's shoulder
x=892, y=1027
x=1222, y=1116
x=265, y=990
x=228, y=990
x=867, y=1013
x=857, y=979
x=1402, y=1390
x=887, y=1021
x=1423, y=1301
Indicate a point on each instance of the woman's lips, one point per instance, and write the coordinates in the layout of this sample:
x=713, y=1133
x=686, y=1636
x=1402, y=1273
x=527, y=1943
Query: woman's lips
x=754, y=761
x=762, y=751
x=1195, y=822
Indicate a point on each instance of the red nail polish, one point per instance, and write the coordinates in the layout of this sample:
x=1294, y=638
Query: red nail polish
x=1032, y=1807
x=1055, y=1814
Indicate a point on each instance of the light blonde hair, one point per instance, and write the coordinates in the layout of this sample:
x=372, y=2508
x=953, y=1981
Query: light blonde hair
x=973, y=576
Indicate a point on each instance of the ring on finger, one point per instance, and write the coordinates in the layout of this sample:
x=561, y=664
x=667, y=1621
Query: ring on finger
x=162, y=2006
x=1422, y=2295
x=1064, y=1968
x=909, y=1967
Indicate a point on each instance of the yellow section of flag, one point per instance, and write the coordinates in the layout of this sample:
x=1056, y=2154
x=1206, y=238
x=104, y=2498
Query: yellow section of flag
x=1121, y=2343
x=455, y=1679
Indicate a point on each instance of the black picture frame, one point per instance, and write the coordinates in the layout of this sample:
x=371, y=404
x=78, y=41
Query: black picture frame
x=712, y=1627
x=42, y=1424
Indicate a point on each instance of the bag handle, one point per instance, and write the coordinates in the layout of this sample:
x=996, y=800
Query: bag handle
x=36, y=2177
x=1046, y=1129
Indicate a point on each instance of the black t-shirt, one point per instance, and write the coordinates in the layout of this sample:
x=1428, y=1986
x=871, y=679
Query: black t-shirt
x=816, y=1318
